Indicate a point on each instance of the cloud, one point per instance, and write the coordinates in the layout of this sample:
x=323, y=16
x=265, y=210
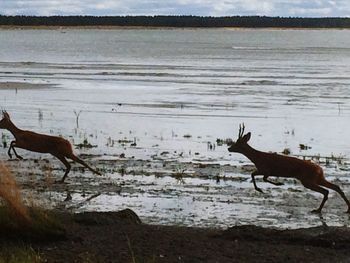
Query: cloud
x=309, y=8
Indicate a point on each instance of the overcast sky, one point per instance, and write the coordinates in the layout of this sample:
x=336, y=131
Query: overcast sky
x=303, y=8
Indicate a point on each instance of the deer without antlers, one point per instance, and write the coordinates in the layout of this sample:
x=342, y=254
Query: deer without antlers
x=57, y=146
x=272, y=164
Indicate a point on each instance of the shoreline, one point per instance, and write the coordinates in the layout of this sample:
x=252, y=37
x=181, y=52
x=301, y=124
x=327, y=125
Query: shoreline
x=103, y=27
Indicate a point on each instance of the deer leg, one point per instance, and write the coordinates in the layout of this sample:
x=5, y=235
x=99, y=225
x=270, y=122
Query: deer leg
x=271, y=182
x=338, y=190
x=254, y=183
x=78, y=160
x=9, y=151
x=318, y=189
x=12, y=146
x=67, y=164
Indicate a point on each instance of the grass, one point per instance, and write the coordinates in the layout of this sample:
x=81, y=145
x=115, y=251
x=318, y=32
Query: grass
x=18, y=222
x=10, y=194
x=134, y=258
x=19, y=254
x=132, y=254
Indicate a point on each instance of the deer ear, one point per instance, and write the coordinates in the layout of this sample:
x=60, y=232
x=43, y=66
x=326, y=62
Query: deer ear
x=5, y=114
x=246, y=137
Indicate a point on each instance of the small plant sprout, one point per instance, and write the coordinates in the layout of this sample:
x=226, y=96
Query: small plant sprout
x=179, y=175
x=77, y=115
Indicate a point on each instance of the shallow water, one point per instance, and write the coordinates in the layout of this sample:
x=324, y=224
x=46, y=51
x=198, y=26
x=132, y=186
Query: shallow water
x=175, y=91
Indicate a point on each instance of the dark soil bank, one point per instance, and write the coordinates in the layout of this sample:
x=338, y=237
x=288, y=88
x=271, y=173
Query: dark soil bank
x=121, y=237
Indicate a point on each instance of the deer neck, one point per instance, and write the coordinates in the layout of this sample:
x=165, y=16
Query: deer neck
x=13, y=129
x=251, y=153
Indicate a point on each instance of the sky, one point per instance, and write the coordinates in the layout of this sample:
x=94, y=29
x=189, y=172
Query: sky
x=294, y=8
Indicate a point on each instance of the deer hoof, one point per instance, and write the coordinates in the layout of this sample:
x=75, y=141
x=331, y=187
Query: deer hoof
x=59, y=181
x=316, y=211
x=259, y=190
x=279, y=183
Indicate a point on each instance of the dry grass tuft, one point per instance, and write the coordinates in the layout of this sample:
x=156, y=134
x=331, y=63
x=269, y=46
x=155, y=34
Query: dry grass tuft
x=19, y=221
x=11, y=195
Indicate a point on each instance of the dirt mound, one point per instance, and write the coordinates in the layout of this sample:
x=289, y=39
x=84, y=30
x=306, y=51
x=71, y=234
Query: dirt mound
x=335, y=237
x=107, y=218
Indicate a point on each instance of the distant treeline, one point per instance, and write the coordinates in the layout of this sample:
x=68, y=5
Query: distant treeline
x=176, y=21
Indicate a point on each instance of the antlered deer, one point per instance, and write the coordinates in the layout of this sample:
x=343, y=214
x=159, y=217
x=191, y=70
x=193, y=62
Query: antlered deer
x=272, y=164
x=57, y=146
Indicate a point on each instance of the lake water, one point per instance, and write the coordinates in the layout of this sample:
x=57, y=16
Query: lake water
x=177, y=90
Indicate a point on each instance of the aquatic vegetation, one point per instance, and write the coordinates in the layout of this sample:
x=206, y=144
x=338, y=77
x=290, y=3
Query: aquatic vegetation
x=286, y=151
x=179, y=175
x=110, y=142
x=85, y=144
x=304, y=147
x=221, y=142
x=125, y=141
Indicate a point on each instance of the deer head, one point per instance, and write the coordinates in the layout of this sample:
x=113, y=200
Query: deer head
x=241, y=142
x=5, y=121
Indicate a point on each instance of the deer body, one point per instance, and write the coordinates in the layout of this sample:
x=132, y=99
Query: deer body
x=272, y=164
x=42, y=143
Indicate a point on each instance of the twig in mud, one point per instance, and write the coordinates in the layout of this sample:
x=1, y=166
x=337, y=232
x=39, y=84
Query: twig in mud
x=85, y=201
x=92, y=197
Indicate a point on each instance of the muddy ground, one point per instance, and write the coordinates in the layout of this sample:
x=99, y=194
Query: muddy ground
x=121, y=237
x=164, y=190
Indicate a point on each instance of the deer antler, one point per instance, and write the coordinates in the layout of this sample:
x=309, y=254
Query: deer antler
x=241, y=130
